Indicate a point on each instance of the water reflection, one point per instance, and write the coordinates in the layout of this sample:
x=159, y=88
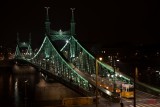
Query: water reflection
x=13, y=89
x=26, y=89
x=16, y=93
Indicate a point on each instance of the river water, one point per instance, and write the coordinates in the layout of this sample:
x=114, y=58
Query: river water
x=19, y=88
x=15, y=88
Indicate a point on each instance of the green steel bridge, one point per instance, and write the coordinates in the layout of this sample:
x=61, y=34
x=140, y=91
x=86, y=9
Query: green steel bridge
x=63, y=58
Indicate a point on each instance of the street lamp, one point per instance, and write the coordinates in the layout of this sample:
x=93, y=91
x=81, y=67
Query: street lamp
x=100, y=59
x=158, y=72
x=135, y=80
x=114, y=69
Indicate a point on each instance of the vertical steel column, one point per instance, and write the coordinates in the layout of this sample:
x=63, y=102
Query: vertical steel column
x=96, y=83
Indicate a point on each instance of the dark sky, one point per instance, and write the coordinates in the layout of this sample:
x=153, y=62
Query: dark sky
x=108, y=21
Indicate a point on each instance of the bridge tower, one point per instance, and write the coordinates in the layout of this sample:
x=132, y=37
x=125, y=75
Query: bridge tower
x=61, y=35
x=29, y=50
x=17, y=52
x=47, y=22
x=23, y=46
x=72, y=30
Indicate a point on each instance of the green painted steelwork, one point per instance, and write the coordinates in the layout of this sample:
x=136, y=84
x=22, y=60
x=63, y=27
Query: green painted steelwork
x=71, y=59
x=17, y=52
x=49, y=58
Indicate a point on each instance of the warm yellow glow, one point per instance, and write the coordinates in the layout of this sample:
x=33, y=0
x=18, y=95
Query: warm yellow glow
x=100, y=58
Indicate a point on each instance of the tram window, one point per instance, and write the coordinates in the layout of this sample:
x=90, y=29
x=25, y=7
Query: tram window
x=131, y=89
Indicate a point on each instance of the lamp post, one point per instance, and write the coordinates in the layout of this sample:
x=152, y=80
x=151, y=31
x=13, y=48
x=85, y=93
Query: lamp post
x=100, y=58
x=135, y=79
x=114, y=69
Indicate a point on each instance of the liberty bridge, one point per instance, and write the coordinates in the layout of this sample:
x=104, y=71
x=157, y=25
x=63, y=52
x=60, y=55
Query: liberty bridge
x=64, y=59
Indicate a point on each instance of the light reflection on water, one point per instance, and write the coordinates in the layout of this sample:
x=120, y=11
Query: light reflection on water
x=16, y=93
x=30, y=90
x=12, y=88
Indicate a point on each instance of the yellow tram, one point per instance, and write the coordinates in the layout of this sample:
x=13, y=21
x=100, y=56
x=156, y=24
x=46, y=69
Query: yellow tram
x=127, y=91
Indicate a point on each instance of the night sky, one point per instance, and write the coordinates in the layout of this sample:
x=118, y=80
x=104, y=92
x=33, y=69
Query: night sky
x=108, y=22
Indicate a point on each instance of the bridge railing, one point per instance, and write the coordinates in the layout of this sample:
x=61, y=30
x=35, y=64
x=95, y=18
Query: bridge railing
x=148, y=89
x=87, y=60
x=49, y=57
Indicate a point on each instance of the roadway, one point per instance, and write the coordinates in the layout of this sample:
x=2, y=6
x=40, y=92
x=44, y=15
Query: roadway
x=142, y=99
x=48, y=92
x=127, y=103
